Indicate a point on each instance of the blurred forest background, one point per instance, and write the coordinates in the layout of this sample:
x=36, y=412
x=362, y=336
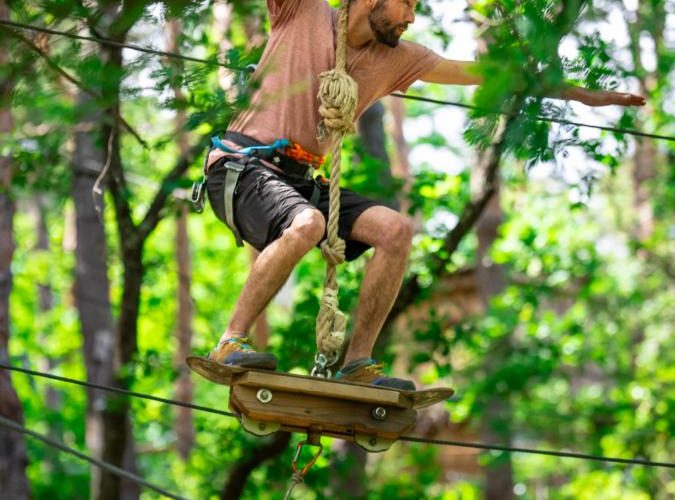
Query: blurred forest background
x=541, y=284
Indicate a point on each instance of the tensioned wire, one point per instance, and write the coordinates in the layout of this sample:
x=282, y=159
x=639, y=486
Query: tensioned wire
x=12, y=425
x=106, y=41
x=415, y=439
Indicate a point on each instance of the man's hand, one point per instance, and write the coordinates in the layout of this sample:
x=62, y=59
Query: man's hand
x=603, y=97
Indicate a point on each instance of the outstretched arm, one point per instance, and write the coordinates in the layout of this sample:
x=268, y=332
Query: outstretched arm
x=600, y=97
x=461, y=73
x=452, y=72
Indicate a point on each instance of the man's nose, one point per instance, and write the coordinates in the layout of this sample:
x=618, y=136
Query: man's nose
x=410, y=17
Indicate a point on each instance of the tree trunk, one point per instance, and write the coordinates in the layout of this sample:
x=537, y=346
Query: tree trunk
x=400, y=165
x=92, y=285
x=371, y=133
x=183, y=423
x=491, y=281
x=53, y=397
x=13, y=458
x=646, y=154
x=118, y=444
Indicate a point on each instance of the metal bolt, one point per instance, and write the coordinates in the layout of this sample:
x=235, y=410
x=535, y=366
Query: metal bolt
x=264, y=396
x=379, y=413
x=262, y=426
x=373, y=441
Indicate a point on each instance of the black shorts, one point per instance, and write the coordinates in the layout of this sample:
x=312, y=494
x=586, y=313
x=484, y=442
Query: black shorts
x=266, y=202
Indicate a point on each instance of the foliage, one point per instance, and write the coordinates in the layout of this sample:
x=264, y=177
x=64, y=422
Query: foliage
x=584, y=328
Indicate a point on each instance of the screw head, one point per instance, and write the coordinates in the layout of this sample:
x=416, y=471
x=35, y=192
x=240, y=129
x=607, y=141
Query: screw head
x=264, y=396
x=379, y=413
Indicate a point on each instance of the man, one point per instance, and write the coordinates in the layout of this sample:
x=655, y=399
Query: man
x=279, y=209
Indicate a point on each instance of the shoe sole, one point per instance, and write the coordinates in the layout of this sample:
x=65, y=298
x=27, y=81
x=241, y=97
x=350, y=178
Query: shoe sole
x=259, y=361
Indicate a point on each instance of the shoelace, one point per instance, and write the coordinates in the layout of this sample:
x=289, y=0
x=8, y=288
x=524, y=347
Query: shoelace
x=375, y=368
x=241, y=342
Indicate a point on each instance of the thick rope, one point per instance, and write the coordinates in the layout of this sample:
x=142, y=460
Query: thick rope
x=338, y=94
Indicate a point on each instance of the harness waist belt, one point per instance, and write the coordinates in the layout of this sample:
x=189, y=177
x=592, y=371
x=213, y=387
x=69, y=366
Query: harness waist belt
x=289, y=157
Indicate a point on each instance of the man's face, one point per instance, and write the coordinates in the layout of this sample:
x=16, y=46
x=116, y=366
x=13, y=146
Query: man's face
x=390, y=18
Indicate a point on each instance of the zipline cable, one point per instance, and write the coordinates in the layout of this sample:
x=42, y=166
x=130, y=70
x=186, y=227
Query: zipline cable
x=553, y=453
x=482, y=446
x=544, y=118
x=11, y=424
x=117, y=390
x=174, y=55
x=113, y=43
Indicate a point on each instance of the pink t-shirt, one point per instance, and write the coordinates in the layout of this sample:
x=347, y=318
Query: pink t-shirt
x=300, y=47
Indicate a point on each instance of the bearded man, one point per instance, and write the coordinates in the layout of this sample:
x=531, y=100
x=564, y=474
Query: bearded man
x=260, y=176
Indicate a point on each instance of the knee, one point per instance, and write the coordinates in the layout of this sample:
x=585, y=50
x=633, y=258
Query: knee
x=397, y=237
x=309, y=227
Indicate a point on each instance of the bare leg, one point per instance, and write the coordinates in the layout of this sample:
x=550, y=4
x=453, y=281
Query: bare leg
x=273, y=267
x=390, y=234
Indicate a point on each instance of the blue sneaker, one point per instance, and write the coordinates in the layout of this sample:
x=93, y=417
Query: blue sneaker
x=368, y=371
x=237, y=351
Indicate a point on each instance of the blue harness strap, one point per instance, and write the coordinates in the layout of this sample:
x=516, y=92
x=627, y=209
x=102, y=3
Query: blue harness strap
x=279, y=143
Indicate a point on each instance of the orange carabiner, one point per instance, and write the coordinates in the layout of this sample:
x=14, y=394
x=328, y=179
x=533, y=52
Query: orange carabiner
x=305, y=469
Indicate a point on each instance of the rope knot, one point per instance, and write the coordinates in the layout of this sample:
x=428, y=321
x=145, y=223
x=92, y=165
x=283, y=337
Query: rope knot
x=331, y=322
x=338, y=94
x=334, y=254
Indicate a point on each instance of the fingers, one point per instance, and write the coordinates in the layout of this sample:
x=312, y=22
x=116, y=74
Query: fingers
x=627, y=99
x=619, y=98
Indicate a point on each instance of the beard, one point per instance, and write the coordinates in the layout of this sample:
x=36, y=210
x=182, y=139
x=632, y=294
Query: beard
x=384, y=30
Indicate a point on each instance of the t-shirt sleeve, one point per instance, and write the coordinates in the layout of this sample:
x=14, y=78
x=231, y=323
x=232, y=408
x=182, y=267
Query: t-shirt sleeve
x=282, y=11
x=409, y=63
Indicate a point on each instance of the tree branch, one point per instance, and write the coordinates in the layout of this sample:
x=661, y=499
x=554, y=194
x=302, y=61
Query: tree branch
x=169, y=183
x=50, y=62
x=234, y=486
x=467, y=220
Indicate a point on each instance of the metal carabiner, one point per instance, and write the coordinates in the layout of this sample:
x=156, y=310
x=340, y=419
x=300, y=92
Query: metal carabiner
x=198, y=194
x=302, y=472
x=322, y=363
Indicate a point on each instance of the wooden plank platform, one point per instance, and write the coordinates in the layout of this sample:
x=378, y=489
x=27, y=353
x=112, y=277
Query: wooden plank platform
x=267, y=401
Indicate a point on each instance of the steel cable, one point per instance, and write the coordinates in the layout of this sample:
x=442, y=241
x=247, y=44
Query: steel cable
x=11, y=424
x=439, y=442
x=174, y=55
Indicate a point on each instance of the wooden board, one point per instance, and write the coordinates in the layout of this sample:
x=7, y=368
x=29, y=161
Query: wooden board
x=321, y=414
x=221, y=374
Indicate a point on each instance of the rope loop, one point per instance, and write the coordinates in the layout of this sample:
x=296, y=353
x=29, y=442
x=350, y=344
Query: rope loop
x=331, y=323
x=334, y=254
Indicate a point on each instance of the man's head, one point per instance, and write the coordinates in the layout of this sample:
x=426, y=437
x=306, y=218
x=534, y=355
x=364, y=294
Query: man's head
x=390, y=18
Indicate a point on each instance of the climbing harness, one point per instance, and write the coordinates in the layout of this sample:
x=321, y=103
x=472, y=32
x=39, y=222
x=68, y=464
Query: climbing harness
x=289, y=157
x=338, y=93
x=296, y=152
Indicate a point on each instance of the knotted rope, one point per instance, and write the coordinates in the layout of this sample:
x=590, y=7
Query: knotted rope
x=338, y=94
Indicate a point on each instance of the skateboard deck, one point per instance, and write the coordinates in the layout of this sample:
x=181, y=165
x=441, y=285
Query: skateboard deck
x=336, y=389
